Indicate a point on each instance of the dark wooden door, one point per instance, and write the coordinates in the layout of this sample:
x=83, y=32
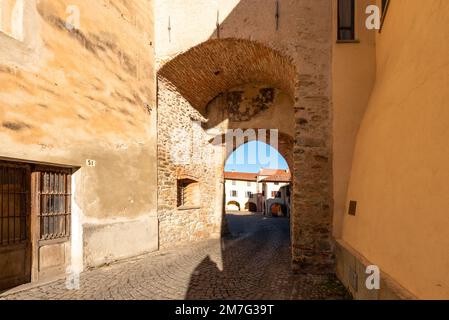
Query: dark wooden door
x=15, y=237
x=276, y=210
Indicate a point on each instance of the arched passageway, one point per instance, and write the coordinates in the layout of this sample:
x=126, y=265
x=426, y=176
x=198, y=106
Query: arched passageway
x=241, y=85
x=233, y=206
x=216, y=66
x=251, y=207
x=257, y=174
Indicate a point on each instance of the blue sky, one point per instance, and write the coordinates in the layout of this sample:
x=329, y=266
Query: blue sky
x=253, y=156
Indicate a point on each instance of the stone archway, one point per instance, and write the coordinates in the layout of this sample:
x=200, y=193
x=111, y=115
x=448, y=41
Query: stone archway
x=251, y=207
x=190, y=81
x=215, y=66
x=284, y=145
x=233, y=206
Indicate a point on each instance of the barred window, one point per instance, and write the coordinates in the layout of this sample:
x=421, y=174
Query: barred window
x=55, y=203
x=14, y=200
x=346, y=20
x=188, y=193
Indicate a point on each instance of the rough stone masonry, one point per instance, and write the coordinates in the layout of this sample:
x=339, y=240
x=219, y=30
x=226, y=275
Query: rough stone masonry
x=298, y=62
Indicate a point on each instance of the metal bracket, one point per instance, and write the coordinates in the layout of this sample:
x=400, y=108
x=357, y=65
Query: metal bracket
x=278, y=15
x=218, y=24
x=169, y=29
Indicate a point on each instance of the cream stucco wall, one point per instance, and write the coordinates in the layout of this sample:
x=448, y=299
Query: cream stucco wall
x=242, y=188
x=353, y=76
x=400, y=169
x=71, y=95
x=292, y=53
x=271, y=187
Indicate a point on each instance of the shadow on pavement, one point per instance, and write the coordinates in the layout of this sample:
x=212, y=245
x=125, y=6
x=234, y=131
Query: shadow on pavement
x=256, y=266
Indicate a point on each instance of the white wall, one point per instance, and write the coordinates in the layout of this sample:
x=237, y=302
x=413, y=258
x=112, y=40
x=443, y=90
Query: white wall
x=242, y=188
x=272, y=187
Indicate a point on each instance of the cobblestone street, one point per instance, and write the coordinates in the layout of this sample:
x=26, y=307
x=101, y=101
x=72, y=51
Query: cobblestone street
x=251, y=263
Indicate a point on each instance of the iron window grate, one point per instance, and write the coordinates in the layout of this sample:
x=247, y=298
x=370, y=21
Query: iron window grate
x=55, y=204
x=14, y=195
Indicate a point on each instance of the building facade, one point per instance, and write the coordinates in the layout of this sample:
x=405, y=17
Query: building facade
x=251, y=76
x=242, y=191
x=258, y=192
x=114, y=118
x=78, y=136
x=276, y=188
x=390, y=150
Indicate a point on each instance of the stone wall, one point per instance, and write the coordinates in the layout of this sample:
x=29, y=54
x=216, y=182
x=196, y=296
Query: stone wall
x=292, y=53
x=184, y=152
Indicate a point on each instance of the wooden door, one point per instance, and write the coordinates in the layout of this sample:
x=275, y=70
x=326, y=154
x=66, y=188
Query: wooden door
x=15, y=238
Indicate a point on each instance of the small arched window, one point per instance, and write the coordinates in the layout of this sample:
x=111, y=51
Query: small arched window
x=11, y=18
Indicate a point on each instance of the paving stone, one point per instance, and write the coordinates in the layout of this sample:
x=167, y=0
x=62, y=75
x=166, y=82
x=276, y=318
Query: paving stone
x=256, y=266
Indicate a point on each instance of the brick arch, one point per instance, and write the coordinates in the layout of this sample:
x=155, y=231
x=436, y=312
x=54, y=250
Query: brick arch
x=217, y=65
x=190, y=80
x=234, y=203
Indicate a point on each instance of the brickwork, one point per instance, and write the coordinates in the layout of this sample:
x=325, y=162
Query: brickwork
x=235, y=62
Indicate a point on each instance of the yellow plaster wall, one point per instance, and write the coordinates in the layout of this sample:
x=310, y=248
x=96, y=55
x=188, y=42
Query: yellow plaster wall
x=400, y=170
x=353, y=77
